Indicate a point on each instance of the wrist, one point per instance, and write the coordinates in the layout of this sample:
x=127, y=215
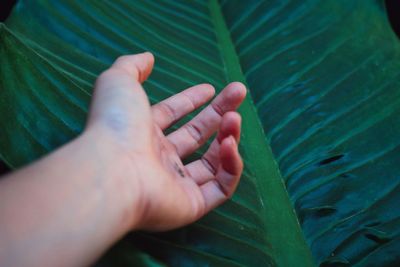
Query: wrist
x=121, y=189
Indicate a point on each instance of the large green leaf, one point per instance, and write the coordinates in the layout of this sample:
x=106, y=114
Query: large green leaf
x=323, y=79
x=324, y=76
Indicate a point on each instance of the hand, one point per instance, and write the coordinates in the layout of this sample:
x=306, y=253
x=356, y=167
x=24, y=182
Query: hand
x=122, y=173
x=161, y=193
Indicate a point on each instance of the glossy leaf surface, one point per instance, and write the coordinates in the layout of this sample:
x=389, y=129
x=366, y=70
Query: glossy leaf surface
x=324, y=88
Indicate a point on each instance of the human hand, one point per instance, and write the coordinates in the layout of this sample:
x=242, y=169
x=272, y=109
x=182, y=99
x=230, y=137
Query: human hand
x=159, y=191
x=122, y=173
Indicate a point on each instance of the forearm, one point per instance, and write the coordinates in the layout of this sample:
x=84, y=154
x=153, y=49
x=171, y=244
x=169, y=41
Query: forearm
x=65, y=209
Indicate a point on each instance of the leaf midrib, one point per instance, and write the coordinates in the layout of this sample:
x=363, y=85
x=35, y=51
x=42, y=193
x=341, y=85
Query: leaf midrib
x=288, y=243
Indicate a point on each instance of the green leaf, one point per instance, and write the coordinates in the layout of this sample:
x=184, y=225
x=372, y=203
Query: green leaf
x=320, y=128
x=324, y=76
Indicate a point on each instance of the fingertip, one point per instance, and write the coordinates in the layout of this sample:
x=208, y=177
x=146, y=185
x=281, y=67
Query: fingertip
x=203, y=88
x=227, y=146
x=233, y=117
x=137, y=65
x=149, y=54
x=200, y=94
x=145, y=71
x=230, y=159
x=149, y=58
x=230, y=125
x=239, y=89
x=209, y=87
x=233, y=95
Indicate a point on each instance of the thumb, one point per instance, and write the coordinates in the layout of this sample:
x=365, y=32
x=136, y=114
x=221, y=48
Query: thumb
x=118, y=97
x=139, y=66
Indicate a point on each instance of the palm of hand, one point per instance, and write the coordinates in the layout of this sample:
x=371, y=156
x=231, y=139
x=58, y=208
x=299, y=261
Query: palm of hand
x=172, y=194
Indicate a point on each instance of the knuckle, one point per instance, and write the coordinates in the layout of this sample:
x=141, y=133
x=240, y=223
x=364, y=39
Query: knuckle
x=207, y=163
x=169, y=111
x=195, y=133
x=189, y=100
x=217, y=108
x=222, y=189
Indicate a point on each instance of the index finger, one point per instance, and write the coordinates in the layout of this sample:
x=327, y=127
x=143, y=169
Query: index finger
x=175, y=107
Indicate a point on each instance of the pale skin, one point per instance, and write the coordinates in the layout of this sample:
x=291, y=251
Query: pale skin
x=122, y=173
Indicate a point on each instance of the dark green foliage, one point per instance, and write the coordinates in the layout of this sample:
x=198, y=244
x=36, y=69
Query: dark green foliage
x=323, y=79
